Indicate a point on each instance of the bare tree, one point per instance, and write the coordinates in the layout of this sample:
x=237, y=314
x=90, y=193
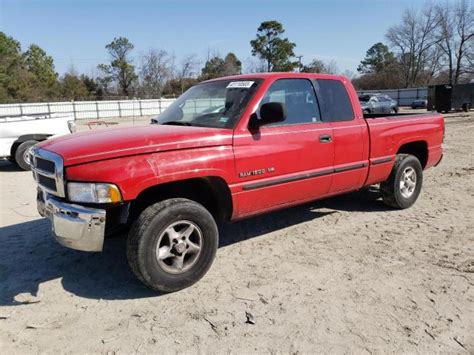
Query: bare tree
x=456, y=37
x=186, y=70
x=415, y=40
x=446, y=34
x=320, y=66
x=254, y=65
x=349, y=74
x=470, y=60
x=433, y=65
x=155, y=70
x=464, y=26
x=331, y=67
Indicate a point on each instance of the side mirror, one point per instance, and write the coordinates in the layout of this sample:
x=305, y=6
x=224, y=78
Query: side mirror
x=271, y=112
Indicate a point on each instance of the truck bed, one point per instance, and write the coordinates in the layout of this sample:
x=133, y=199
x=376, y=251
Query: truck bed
x=389, y=134
x=23, y=118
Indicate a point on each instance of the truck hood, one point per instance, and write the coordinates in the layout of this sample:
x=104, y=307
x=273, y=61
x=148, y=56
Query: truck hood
x=103, y=144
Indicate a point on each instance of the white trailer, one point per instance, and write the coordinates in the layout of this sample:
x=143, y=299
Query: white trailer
x=19, y=133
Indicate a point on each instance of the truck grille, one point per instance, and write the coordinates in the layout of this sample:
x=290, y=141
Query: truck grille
x=46, y=182
x=47, y=168
x=45, y=165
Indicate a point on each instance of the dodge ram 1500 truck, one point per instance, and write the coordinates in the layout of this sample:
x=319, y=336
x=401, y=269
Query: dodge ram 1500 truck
x=226, y=149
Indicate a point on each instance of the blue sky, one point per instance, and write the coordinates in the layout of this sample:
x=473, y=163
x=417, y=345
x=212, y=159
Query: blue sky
x=75, y=32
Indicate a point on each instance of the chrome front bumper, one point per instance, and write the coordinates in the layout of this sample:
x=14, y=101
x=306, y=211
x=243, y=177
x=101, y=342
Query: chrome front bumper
x=73, y=226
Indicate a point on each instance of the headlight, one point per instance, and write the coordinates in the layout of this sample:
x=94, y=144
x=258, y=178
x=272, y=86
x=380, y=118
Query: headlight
x=95, y=193
x=72, y=126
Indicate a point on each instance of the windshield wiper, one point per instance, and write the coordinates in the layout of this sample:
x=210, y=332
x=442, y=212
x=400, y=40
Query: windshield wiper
x=177, y=123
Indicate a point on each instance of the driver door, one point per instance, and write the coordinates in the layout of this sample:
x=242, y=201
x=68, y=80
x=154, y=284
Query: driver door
x=287, y=162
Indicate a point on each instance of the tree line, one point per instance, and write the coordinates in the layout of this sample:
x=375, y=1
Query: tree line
x=432, y=46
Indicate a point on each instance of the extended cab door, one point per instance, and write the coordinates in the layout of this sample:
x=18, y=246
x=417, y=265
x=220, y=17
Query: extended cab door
x=349, y=131
x=285, y=163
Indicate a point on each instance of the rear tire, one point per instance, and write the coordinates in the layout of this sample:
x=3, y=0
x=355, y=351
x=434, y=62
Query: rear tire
x=403, y=186
x=21, y=154
x=162, y=254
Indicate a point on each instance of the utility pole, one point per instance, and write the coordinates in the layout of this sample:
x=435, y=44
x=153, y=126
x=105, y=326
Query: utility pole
x=300, y=65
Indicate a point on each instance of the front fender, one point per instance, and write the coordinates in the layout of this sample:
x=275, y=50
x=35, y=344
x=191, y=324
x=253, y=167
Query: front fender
x=134, y=174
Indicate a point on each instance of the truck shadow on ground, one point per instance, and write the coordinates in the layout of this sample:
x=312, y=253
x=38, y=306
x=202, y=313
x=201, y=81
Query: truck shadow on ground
x=30, y=257
x=9, y=167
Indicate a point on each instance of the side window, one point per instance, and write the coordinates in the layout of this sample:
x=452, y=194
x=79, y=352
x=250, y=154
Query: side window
x=299, y=98
x=334, y=100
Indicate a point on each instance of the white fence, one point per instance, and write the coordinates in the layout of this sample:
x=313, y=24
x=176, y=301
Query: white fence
x=404, y=97
x=89, y=109
x=104, y=109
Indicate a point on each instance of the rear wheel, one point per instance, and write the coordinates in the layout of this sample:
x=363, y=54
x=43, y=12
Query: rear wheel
x=21, y=154
x=172, y=244
x=403, y=186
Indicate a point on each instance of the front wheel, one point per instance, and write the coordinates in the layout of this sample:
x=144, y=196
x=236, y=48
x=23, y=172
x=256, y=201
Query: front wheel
x=172, y=244
x=403, y=186
x=21, y=154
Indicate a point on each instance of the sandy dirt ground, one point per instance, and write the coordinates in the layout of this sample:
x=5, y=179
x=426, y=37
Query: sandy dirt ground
x=343, y=275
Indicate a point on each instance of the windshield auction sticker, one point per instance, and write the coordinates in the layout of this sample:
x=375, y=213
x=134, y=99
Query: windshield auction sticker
x=240, y=84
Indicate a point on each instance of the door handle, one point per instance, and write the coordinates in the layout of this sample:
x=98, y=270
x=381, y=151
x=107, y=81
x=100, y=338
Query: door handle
x=325, y=138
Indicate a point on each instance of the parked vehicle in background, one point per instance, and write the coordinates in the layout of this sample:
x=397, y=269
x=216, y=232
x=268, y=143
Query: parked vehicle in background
x=227, y=149
x=19, y=133
x=377, y=104
x=420, y=103
x=444, y=98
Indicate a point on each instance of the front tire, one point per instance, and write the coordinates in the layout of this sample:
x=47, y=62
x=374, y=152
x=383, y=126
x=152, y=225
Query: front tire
x=172, y=244
x=403, y=186
x=21, y=154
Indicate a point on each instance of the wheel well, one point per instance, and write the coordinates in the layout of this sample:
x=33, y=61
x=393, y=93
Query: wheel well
x=25, y=138
x=419, y=149
x=211, y=192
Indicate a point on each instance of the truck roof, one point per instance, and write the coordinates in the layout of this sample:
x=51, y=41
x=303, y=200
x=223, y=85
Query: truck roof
x=279, y=75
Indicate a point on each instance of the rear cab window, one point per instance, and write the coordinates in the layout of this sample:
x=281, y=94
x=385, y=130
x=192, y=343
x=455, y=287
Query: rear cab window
x=334, y=101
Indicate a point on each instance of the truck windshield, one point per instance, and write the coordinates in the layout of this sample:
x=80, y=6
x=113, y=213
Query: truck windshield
x=216, y=104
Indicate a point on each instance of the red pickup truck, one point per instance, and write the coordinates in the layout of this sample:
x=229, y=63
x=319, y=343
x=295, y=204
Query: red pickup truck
x=227, y=149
